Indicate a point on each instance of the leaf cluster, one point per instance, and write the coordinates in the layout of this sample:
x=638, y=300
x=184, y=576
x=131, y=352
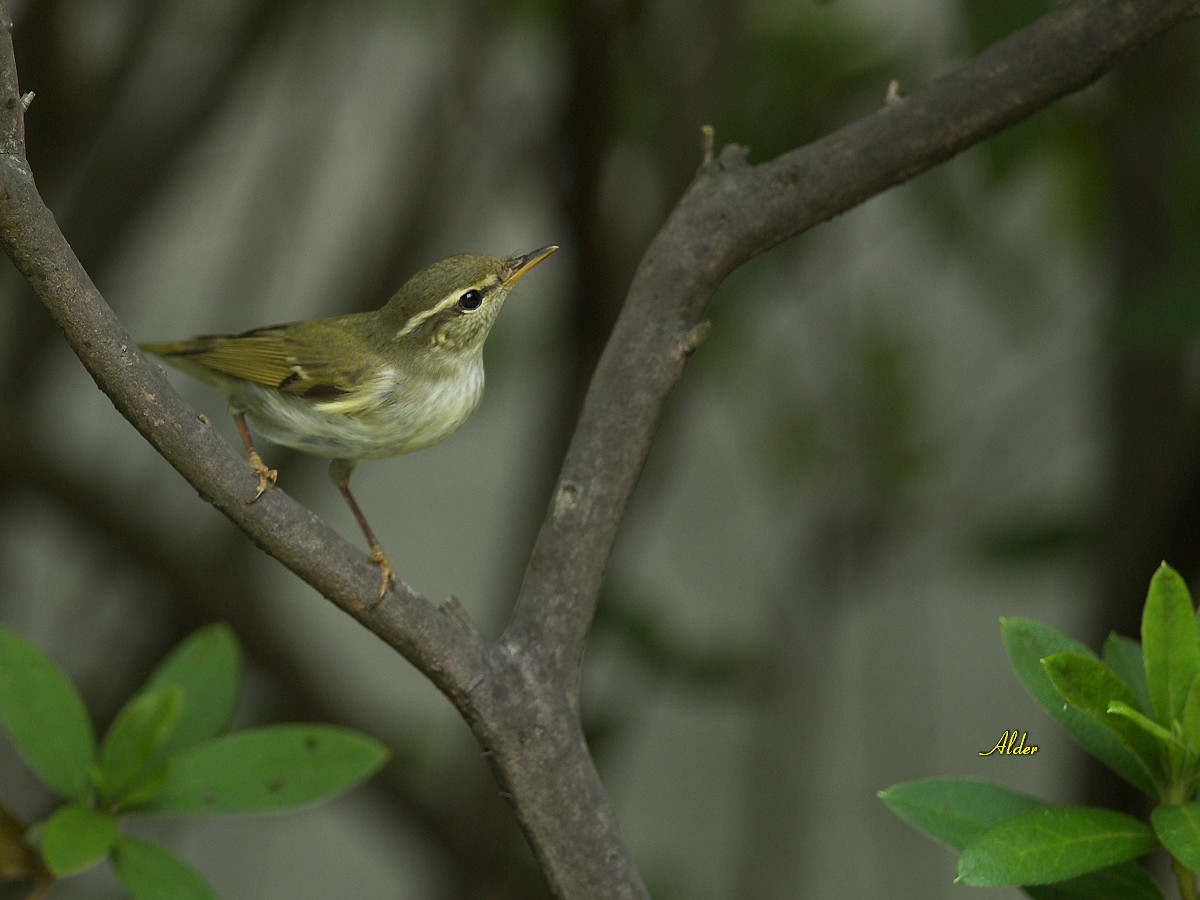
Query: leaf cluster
x=164, y=753
x=1137, y=710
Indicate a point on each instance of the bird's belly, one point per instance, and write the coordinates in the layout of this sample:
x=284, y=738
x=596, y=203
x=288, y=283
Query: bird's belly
x=383, y=423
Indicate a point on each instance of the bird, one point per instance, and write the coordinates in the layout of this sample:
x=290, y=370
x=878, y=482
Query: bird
x=367, y=385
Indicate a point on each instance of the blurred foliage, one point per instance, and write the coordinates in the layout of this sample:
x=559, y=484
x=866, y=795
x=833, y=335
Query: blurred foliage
x=986, y=22
x=648, y=638
x=815, y=62
x=1032, y=536
x=1162, y=315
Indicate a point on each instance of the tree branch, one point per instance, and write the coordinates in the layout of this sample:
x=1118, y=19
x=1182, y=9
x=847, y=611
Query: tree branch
x=520, y=694
x=733, y=211
x=435, y=642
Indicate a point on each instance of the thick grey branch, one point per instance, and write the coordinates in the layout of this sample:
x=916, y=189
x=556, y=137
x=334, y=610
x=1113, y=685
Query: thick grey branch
x=733, y=211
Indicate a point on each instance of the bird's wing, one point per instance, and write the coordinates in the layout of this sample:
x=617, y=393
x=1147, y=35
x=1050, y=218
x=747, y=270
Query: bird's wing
x=291, y=358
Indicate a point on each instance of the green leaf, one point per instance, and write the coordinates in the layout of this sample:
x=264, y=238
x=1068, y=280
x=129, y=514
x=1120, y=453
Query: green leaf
x=265, y=769
x=150, y=872
x=954, y=811
x=1124, y=881
x=1144, y=722
x=207, y=666
x=1090, y=687
x=1028, y=643
x=149, y=784
x=1191, y=717
x=1178, y=827
x=75, y=837
x=1046, y=845
x=1170, y=644
x=1123, y=655
x=42, y=713
x=130, y=752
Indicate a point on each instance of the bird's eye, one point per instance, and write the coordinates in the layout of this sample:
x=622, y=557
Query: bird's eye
x=470, y=300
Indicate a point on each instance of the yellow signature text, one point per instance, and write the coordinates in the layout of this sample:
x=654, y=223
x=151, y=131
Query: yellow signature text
x=1006, y=742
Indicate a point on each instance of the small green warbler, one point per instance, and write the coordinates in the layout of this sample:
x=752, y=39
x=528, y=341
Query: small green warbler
x=365, y=385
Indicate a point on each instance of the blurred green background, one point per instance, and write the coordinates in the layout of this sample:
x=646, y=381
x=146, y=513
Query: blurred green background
x=977, y=395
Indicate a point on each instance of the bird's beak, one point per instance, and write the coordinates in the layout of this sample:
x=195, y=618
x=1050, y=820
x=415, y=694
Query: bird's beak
x=519, y=265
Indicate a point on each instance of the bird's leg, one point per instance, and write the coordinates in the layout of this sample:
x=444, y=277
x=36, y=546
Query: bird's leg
x=339, y=471
x=265, y=476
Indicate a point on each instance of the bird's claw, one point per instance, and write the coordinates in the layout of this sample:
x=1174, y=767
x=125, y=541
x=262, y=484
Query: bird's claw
x=386, y=571
x=265, y=476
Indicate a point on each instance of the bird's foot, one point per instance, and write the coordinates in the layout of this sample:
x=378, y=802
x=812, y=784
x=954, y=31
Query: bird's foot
x=265, y=476
x=386, y=571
